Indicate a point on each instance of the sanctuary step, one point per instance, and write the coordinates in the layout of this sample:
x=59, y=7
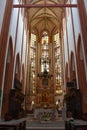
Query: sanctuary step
x=45, y=125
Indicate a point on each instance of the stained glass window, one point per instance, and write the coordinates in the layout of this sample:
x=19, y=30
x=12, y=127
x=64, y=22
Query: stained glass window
x=32, y=62
x=57, y=66
x=45, y=51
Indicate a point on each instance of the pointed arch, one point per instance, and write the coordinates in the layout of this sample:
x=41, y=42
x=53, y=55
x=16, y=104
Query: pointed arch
x=81, y=73
x=80, y=59
x=72, y=62
x=8, y=78
x=72, y=67
x=10, y=51
x=66, y=72
x=17, y=67
x=23, y=77
x=79, y=48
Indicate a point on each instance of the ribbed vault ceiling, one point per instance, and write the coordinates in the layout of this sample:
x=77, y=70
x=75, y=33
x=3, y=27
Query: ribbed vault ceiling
x=45, y=18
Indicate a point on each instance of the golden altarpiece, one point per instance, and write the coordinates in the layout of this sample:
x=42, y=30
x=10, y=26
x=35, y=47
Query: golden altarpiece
x=45, y=71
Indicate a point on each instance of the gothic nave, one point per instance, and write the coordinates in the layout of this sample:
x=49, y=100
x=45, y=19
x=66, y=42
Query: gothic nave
x=43, y=60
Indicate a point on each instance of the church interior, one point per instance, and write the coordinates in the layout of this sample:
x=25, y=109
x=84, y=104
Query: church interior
x=43, y=61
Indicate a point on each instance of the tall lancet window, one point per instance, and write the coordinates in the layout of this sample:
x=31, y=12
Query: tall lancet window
x=33, y=64
x=58, y=64
x=45, y=52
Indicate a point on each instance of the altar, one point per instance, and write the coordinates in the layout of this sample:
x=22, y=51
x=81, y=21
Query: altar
x=44, y=114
